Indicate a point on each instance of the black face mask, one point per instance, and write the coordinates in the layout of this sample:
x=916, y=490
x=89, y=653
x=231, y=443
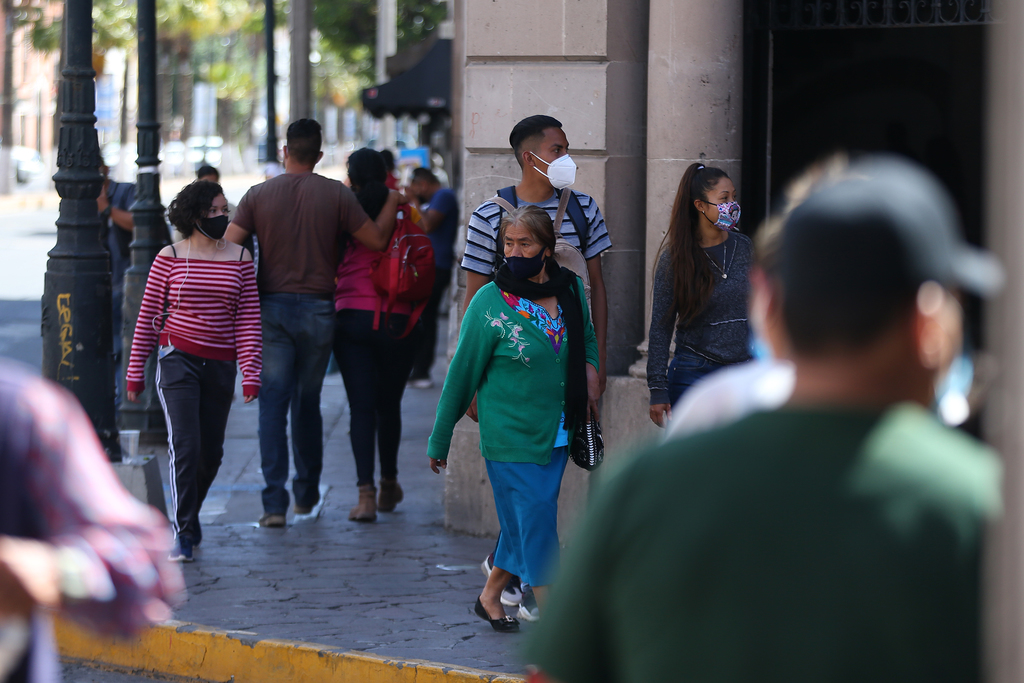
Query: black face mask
x=215, y=227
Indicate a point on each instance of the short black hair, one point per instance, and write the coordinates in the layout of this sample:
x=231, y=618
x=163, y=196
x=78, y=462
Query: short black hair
x=304, y=140
x=529, y=128
x=426, y=174
x=389, y=159
x=192, y=204
x=206, y=170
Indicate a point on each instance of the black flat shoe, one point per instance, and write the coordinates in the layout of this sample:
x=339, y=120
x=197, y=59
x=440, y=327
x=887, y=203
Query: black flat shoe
x=504, y=625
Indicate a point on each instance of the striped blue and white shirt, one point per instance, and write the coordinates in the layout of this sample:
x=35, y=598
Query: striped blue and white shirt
x=482, y=237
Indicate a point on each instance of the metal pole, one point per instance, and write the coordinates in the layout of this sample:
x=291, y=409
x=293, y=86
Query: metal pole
x=268, y=26
x=7, y=104
x=301, y=24
x=150, y=228
x=76, y=321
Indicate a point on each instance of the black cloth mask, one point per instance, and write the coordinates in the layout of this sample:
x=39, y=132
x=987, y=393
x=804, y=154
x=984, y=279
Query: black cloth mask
x=215, y=227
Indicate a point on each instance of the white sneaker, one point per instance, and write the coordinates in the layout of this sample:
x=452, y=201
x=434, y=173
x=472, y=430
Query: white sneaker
x=528, y=610
x=425, y=383
x=511, y=595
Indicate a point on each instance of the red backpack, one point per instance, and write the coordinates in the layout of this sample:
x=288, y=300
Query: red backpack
x=404, y=272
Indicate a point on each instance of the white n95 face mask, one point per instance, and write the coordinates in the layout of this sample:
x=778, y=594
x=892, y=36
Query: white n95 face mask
x=561, y=172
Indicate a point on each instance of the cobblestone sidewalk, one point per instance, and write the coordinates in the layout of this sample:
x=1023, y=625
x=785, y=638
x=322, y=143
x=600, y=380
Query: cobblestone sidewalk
x=400, y=587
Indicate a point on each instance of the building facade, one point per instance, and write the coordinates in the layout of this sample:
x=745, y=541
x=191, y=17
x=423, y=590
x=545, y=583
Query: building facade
x=760, y=88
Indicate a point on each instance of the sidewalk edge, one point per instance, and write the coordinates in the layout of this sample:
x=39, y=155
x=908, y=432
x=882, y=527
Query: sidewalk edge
x=186, y=650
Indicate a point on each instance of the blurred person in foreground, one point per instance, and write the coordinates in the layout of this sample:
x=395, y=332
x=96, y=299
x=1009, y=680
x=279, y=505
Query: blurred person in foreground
x=835, y=539
x=71, y=538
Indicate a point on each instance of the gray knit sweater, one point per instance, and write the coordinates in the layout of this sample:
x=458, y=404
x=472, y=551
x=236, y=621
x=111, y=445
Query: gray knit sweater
x=719, y=333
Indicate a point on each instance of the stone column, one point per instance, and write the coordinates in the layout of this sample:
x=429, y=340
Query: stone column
x=1004, y=561
x=300, y=24
x=584, y=63
x=694, y=112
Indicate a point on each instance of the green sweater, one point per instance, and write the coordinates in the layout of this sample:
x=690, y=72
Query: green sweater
x=518, y=378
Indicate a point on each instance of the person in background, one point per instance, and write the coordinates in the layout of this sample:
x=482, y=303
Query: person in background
x=209, y=173
x=114, y=204
x=389, y=162
x=836, y=539
x=527, y=345
x=766, y=382
x=300, y=219
x=441, y=222
x=700, y=288
x=72, y=540
x=542, y=152
x=374, y=364
x=202, y=308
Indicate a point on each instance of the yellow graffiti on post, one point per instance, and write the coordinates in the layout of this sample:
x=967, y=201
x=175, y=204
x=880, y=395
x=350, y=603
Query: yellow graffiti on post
x=66, y=369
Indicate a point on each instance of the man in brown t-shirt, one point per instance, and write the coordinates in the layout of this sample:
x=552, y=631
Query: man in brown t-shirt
x=299, y=218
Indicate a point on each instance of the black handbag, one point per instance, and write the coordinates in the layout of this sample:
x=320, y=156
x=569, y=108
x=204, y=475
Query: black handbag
x=587, y=447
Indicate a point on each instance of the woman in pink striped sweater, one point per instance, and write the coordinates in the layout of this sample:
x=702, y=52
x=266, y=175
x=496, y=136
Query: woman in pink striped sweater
x=202, y=308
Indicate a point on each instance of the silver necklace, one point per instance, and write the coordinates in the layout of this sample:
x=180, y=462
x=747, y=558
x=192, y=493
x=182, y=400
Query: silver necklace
x=721, y=270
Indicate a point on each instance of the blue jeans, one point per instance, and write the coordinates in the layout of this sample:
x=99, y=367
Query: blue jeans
x=297, y=333
x=685, y=369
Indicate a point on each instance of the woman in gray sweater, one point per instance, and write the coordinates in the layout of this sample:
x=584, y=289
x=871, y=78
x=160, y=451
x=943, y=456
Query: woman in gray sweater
x=700, y=289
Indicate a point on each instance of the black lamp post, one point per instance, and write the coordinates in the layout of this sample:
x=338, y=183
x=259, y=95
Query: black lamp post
x=268, y=27
x=76, y=321
x=150, y=227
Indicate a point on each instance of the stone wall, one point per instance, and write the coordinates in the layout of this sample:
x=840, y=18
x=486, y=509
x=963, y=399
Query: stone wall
x=642, y=87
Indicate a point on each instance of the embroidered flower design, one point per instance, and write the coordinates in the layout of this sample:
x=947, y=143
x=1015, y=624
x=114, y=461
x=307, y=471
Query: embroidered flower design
x=512, y=330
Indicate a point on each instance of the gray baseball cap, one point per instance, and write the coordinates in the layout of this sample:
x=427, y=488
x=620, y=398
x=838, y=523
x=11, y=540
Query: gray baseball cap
x=885, y=228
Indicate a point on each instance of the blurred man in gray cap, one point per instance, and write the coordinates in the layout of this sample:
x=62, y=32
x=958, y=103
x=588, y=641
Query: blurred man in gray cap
x=836, y=539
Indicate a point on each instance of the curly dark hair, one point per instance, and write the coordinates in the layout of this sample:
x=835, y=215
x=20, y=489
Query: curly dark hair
x=192, y=204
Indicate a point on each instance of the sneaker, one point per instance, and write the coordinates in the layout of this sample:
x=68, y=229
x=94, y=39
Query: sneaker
x=487, y=565
x=272, y=520
x=306, y=509
x=183, y=553
x=423, y=383
x=512, y=595
x=528, y=610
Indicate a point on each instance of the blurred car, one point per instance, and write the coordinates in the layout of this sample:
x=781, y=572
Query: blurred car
x=27, y=163
x=173, y=157
x=204, y=150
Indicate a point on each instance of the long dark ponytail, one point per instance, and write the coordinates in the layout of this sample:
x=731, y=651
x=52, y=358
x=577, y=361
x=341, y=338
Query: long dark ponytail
x=367, y=173
x=693, y=281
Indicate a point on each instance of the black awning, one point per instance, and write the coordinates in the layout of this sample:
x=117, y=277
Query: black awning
x=424, y=89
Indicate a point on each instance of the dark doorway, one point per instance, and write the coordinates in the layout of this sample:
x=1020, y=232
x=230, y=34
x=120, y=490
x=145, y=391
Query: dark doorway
x=915, y=91
x=810, y=91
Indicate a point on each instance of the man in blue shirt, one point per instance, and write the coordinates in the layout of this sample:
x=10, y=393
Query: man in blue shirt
x=114, y=204
x=440, y=221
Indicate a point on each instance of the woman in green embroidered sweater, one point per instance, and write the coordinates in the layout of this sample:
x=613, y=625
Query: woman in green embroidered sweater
x=528, y=351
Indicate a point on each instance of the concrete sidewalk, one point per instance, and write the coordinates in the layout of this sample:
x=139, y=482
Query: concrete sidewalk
x=401, y=587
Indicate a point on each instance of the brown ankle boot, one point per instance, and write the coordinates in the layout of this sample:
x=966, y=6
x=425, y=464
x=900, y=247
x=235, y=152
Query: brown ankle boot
x=366, y=509
x=390, y=495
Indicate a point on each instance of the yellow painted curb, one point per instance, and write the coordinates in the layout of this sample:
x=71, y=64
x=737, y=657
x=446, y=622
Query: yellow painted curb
x=178, y=648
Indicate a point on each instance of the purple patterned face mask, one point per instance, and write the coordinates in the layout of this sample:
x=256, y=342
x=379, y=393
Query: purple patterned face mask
x=728, y=216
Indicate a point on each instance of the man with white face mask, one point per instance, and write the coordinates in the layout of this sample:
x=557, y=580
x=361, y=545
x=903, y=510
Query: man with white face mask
x=542, y=151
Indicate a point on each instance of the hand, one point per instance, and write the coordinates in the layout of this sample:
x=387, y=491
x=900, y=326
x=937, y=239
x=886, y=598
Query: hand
x=102, y=202
x=28, y=576
x=397, y=197
x=593, y=393
x=435, y=463
x=250, y=399
x=603, y=377
x=133, y=396
x=660, y=413
x=471, y=413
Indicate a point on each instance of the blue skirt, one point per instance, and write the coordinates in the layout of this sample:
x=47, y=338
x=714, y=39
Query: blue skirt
x=526, y=497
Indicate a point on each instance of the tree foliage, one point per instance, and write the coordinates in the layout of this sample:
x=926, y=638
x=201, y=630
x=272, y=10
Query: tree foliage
x=349, y=29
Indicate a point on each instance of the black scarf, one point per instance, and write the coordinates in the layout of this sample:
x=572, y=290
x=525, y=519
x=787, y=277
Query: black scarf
x=562, y=285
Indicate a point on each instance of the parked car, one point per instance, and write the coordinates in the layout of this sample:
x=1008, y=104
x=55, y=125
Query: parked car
x=27, y=163
x=203, y=150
